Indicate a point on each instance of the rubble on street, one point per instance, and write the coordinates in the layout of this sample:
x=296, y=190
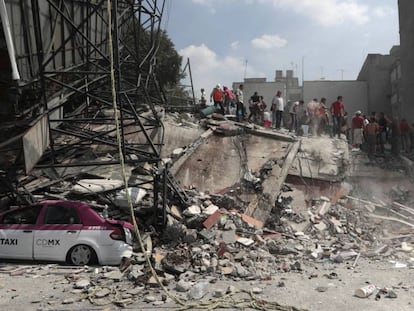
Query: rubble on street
x=289, y=208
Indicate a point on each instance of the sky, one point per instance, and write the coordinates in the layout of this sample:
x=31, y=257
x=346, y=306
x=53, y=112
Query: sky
x=229, y=40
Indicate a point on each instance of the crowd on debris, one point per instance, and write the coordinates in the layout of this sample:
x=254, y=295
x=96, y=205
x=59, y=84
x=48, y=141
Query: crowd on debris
x=213, y=238
x=369, y=133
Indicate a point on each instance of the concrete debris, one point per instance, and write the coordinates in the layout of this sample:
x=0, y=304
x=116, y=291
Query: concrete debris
x=82, y=284
x=250, y=230
x=192, y=210
x=198, y=291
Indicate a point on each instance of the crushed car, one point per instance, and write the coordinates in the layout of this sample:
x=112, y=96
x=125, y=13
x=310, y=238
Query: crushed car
x=64, y=231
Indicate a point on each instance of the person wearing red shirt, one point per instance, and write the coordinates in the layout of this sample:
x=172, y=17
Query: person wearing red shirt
x=228, y=99
x=357, y=129
x=337, y=110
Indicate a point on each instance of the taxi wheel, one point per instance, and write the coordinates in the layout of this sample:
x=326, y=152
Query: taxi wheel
x=81, y=254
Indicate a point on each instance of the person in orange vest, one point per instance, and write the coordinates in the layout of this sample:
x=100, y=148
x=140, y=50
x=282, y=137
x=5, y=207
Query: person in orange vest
x=218, y=98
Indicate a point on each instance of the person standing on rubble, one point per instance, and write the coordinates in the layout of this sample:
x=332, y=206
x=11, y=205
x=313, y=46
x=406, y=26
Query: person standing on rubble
x=217, y=96
x=338, y=112
x=323, y=118
x=240, y=110
x=395, y=138
x=383, y=133
x=293, y=119
x=254, y=99
x=228, y=99
x=203, y=100
x=261, y=107
x=313, y=108
x=371, y=130
x=301, y=117
x=357, y=128
x=277, y=110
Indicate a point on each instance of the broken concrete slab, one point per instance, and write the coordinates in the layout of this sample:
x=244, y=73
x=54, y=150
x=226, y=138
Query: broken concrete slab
x=321, y=158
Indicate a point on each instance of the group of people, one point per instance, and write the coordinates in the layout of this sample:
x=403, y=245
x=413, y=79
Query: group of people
x=316, y=116
x=367, y=132
x=373, y=132
x=226, y=100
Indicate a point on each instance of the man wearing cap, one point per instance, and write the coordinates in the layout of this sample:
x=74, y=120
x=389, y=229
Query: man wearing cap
x=357, y=129
x=217, y=96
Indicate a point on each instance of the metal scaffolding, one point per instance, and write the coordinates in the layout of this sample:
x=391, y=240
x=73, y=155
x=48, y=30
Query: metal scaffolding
x=63, y=56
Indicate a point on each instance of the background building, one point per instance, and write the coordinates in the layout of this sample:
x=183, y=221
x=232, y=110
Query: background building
x=288, y=85
x=376, y=71
x=406, y=20
x=355, y=94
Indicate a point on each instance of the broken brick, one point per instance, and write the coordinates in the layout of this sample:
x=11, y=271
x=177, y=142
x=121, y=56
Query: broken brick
x=212, y=220
x=254, y=222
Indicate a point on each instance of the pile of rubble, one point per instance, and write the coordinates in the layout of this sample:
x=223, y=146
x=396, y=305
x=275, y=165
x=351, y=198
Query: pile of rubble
x=214, y=238
x=208, y=242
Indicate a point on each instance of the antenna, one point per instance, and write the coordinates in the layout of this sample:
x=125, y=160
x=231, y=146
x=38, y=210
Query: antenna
x=303, y=70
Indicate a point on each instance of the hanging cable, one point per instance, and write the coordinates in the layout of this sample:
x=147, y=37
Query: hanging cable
x=224, y=302
x=121, y=157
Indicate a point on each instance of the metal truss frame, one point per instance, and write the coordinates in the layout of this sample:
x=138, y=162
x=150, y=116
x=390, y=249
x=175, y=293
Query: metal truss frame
x=71, y=70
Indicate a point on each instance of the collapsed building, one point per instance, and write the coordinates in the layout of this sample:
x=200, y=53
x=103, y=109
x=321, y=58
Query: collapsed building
x=68, y=63
x=212, y=196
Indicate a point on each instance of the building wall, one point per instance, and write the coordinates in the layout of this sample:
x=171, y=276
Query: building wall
x=355, y=93
x=376, y=71
x=396, y=89
x=406, y=19
x=288, y=85
x=266, y=89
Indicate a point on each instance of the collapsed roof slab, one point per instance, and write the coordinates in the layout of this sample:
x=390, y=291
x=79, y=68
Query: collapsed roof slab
x=221, y=162
x=217, y=163
x=321, y=158
x=261, y=205
x=179, y=137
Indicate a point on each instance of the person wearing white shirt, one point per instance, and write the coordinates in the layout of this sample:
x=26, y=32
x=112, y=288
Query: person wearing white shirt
x=277, y=110
x=240, y=109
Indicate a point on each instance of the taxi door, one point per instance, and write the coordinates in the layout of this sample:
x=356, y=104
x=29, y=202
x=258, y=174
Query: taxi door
x=60, y=231
x=16, y=241
x=17, y=229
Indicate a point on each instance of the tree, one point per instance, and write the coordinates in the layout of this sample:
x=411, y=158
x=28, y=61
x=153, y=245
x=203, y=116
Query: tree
x=168, y=68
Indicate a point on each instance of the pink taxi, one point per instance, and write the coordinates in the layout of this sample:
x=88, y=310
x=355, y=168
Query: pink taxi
x=64, y=231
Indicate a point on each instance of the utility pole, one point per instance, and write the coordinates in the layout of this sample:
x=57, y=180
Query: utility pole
x=303, y=75
x=245, y=69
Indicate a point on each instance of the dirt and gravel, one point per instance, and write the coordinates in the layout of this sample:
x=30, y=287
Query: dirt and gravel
x=321, y=286
x=320, y=246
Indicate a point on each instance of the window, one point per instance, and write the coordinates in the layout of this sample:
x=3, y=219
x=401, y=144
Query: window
x=59, y=214
x=27, y=216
